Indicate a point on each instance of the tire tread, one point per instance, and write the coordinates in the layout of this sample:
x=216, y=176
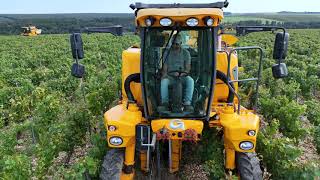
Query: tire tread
x=248, y=166
x=112, y=165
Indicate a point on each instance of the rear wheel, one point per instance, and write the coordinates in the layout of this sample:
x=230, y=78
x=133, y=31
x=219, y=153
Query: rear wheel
x=112, y=164
x=248, y=166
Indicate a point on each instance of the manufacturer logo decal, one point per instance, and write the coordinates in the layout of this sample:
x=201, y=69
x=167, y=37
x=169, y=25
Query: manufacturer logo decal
x=176, y=124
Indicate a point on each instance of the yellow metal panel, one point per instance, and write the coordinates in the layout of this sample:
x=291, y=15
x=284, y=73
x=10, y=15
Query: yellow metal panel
x=180, y=12
x=221, y=90
x=179, y=15
x=131, y=65
x=143, y=161
x=229, y=39
x=125, y=121
x=197, y=125
x=175, y=155
x=177, y=129
x=230, y=159
x=129, y=155
x=236, y=128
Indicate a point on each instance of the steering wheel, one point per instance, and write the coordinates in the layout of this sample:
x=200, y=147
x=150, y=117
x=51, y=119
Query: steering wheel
x=180, y=73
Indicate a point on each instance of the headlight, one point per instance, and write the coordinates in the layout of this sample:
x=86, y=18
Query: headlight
x=149, y=21
x=208, y=21
x=252, y=133
x=116, y=141
x=246, y=145
x=165, y=22
x=192, y=22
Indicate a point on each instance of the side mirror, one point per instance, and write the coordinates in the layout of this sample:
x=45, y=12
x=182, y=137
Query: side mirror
x=281, y=46
x=77, y=70
x=76, y=46
x=279, y=70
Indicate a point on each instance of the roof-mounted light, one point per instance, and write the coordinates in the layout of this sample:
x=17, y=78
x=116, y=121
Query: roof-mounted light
x=165, y=22
x=192, y=22
x=149, y=21
x=209, y=21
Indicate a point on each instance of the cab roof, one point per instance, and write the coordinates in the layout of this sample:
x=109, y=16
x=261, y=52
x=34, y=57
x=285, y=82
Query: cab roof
x=179, y=13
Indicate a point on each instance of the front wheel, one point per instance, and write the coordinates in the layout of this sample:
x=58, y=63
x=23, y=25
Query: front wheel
x=112, y=164
x=248, y=166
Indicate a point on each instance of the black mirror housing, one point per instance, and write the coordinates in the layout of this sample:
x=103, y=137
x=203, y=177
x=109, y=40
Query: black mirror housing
x=76, y=46
x=279, y=70
x=281, y=46
x=77, y=70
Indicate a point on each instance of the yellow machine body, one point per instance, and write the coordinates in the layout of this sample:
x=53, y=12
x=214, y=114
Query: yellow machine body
x=125, y=116
x=131, y=65
x=31, y=31
x=177, y=125
x=124, y=121
x=221, y=90
x=229, y=39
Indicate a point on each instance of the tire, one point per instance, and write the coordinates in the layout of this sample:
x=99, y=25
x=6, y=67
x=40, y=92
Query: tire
x=112, y=165
x=248, y=166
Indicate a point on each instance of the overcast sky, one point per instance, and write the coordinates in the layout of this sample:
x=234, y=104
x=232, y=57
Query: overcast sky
x=122, y=6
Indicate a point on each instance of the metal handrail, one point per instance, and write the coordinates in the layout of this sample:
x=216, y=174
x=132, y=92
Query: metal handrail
x=245, y=80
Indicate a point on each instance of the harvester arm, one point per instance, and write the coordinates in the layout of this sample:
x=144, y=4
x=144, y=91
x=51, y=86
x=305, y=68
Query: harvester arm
x=244, y=30
x=115, y=30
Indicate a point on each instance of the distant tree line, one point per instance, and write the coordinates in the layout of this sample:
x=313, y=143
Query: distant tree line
x=288, y=24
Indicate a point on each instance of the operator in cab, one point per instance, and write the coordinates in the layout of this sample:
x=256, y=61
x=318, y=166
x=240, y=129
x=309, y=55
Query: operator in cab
x=176, y=67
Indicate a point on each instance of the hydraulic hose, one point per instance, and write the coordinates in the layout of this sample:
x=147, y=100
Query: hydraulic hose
x=223, y=77
x=131, y=78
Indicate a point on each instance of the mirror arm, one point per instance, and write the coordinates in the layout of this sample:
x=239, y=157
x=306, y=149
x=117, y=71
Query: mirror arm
x=260, y=29
x=284, y=38
x=76, y=46
x=114, y=30
x=77, y=70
